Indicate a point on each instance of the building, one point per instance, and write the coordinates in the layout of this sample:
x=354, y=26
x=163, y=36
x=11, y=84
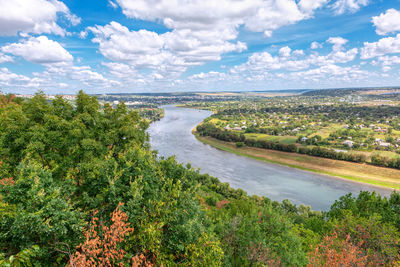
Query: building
x=348, y=143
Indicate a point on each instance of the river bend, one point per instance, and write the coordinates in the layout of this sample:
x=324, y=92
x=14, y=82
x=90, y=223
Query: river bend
x=172, y=135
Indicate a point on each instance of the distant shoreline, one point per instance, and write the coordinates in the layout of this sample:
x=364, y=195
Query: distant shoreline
x=356, y=172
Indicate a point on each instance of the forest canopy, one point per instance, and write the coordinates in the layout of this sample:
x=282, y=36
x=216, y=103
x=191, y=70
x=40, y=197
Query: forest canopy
x=80, y=186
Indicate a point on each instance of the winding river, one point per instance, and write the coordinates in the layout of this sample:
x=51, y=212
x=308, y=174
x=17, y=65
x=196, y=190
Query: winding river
x=172, y=136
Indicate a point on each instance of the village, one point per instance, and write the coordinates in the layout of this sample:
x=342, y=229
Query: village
x=327, y=122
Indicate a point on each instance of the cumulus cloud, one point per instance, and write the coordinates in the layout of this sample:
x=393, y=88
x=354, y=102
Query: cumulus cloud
x=5, y=58
x=316, y=45
x=201, y=30
x=33, y=16
x=308, y=6
x=298, y=52
x=262, y=62
x=39, y=50
x=337, y=42
x=285, y=51
x=172, y=51
x=331, y=73
x=91, y=78
x=9, y=79
x=388, y=45
x=343, y=6
x=387, y=22
x=256, y=15
x=8, y=76
x=386, y=62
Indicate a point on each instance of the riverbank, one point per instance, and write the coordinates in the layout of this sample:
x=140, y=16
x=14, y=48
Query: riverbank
x=363, y=173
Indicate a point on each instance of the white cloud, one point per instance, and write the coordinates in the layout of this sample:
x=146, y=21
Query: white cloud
x=33, y=16
x=39, y=50
x=83, y=34
x=343, y=57
x=201, y=31
x=9, y=79
x=331, y=72
x=298, y=52
x=285, y=51
x=112, y=4
x=343, y=6
x=337, y=42
x=257, y=15
x=308, y=6
x=120, y=70
x=329, y=75
x=386, y=62
x=169, y=52
x=316, y=45
x=272, y=15
x=89, y=77
x=8, y=76
x=262, y=62
x=389, y=60
x=5, y=58
x=388, y=22
x=388, y=45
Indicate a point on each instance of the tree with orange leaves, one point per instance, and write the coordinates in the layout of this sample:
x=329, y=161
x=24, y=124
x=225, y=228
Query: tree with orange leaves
x=6, y=99
x=335, y=252
x=104, y=249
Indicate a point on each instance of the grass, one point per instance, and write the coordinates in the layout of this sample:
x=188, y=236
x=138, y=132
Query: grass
x=282, y=139
x=326, y=131
x=364, y=173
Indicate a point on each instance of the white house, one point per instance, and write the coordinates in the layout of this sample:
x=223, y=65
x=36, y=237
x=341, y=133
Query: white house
x=348, y=143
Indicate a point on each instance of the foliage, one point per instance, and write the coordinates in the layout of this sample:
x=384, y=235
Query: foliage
x=22, y=258
x=66, y=167
x=335, y=252
x=102, y=246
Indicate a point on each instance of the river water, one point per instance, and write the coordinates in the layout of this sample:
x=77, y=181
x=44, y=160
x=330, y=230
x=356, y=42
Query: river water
x=172, y=135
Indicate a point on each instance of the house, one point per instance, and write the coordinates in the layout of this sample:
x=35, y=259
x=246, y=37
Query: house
x=227, y=128
x=237, y=128
x=348, y=143
x=303, y=139
x=384, y=144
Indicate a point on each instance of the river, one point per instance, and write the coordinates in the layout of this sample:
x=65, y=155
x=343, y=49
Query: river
x=172, y=135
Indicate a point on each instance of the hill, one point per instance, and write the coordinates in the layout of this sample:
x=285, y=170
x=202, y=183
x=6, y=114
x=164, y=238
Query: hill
x=79, y=185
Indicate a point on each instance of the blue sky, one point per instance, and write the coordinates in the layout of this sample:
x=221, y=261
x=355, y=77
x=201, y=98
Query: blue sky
x=197, y=45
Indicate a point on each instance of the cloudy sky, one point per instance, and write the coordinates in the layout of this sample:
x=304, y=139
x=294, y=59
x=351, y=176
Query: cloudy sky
x=197, y=45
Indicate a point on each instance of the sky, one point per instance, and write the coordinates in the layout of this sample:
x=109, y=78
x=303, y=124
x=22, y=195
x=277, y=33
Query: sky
x=132, y=46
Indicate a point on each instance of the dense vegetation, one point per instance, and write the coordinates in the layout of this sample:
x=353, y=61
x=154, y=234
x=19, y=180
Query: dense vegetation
x=80, y=186
x=151, y=114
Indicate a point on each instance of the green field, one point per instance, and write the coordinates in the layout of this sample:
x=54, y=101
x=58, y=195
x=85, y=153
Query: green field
x=282, y=139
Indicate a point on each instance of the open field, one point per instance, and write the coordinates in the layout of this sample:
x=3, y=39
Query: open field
x=364, y=173
x=273, y=138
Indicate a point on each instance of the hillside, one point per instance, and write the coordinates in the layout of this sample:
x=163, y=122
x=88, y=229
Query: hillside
x=80, y=186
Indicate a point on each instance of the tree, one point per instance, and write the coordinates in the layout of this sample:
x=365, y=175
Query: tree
x=103, y=244
x=335, y=252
